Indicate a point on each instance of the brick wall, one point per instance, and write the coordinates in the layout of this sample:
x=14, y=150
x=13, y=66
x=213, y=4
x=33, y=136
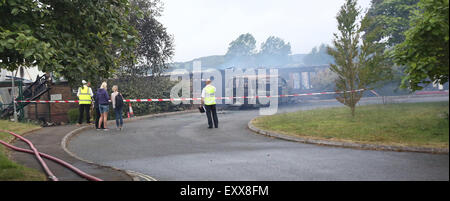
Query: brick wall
x=58, y=111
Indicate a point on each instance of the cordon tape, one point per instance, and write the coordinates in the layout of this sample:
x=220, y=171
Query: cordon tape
x=191, y=99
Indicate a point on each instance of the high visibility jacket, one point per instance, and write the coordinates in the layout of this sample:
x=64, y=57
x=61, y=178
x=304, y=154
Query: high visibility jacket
x=84, y=96
x=210, y=95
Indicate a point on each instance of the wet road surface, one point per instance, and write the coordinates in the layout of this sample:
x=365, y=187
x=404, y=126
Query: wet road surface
x=181, y=147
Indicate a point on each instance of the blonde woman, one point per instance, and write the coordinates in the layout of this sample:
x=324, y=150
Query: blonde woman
x=117, y=103
x=103, y=103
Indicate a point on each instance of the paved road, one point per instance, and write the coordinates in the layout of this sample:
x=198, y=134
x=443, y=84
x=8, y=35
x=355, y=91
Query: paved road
x=181, y=147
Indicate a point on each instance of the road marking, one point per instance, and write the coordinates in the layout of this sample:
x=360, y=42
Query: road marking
x=144, y=176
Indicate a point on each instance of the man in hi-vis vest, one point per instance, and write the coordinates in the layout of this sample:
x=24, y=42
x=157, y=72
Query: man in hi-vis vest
x=209, y=101
x=84, y=99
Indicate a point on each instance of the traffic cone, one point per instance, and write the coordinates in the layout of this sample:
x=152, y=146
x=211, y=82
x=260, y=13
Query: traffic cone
x=130, y=113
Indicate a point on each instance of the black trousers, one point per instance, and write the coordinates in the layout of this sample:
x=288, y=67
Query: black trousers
x=82, y=109
x=211, y=111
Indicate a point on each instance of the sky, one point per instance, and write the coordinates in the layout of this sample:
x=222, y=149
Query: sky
x=206, y=27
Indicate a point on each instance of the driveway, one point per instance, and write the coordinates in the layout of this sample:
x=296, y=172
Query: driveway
x=181, y=147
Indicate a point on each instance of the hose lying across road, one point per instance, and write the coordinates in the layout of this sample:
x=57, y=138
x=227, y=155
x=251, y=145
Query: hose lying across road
x=44, y=165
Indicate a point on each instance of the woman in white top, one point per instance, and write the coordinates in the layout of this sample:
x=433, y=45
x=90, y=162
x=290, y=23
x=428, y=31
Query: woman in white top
x=117, y=104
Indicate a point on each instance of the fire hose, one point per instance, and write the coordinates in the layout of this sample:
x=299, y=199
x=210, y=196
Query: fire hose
x=36, y=153
x=44, y=165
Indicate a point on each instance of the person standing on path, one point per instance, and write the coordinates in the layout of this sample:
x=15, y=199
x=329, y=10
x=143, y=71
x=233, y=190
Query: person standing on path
x=84, y=95
x=103, y=104
x=117, y=103
x=97, y=114
x=209, y=100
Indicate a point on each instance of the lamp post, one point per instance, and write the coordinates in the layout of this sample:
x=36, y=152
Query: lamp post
x=14, y=96
x=13, y=91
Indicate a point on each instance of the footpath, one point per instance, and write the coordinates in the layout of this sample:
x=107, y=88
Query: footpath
x=48, y=140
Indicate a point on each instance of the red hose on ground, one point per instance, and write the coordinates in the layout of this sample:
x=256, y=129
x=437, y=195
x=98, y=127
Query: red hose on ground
x=57, y=160
x=36, y=153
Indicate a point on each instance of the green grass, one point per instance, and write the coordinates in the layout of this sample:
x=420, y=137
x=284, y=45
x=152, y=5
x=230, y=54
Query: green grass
x=10, y=171
x=406, y=124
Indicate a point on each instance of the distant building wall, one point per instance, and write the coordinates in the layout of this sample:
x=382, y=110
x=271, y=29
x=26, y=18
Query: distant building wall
x=30, y=73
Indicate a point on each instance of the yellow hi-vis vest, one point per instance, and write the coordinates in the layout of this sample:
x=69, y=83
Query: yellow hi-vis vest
x=84, y=96
x=210, y=95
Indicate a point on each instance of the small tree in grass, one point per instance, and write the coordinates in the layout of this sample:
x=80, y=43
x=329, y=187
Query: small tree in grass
x=360, y=62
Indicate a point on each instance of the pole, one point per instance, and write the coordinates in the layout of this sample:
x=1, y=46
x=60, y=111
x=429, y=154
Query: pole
x=49, y=81
x=14, y=96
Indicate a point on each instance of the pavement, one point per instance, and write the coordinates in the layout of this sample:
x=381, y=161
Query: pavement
x=48, y=140
x=181, y=147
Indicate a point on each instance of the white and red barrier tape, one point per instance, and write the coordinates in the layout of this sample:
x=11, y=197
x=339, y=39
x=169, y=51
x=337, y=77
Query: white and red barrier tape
x=189, y=99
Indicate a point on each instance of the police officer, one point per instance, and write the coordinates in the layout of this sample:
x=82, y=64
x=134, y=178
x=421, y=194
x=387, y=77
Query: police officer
x=84, y=99
x=209, y=101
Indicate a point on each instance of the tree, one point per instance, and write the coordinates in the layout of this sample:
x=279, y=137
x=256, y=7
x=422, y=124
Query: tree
x=241, y=50
x=425, y=50
x=19, y=45
x=243, y=46
x=70, y=38
x=390, y=20
x=152, y=53
x=155, y=47
x=274, y=51
x=318, y=56
x=152, y=87
x=359, y=65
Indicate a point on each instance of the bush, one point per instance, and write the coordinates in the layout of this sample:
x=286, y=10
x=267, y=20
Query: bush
x=145, y=87
x=73, y=115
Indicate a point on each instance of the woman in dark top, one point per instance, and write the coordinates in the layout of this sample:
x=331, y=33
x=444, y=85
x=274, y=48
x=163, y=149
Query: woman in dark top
x=103, y=104
x=97, y=113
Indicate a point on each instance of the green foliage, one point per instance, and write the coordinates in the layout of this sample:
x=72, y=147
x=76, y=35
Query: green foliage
x=241, y=51
x=9, y=170
x=318, y=56
x=74, y=39
x=274, y=51
x=390, y=20
x=73, y=115
x=155, y=45
x=425, y=51
x=359, y=65
x=146, y=87
x=140, y=78
x=405, y=124
x=243, y=46
x=19, y=43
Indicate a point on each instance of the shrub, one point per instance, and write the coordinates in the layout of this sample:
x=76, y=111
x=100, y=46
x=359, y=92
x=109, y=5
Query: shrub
x=73, y=115
x=145, y=87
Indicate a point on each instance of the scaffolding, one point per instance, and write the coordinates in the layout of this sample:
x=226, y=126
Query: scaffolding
x=32, y=92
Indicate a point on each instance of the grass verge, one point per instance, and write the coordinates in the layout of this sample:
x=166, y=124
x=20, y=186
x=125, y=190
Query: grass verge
x=10, y=171
x=405, y=124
